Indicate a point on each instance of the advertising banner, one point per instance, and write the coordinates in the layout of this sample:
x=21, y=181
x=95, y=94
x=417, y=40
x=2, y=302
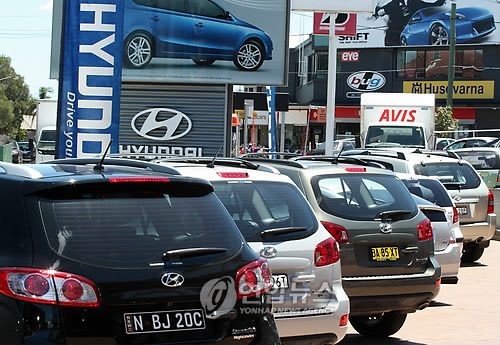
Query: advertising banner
x=211, y=41
x=89, y=94
x=345, y=24
x=425, y=22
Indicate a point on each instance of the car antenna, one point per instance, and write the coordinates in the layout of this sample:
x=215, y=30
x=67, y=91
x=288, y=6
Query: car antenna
x=99, y=166
x=337, y=158
x=212, y=163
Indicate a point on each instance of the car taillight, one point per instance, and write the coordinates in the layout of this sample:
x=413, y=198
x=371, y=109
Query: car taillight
x=226, y=174
x=343, y=320
x=338, y=232
x=326, y=253
x=456, y=219
x=253, y=279
x=138, y=179
x=491, y=202
x=424, y=230
x=48, y=287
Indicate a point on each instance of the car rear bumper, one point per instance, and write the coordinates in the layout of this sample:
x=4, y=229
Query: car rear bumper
x=378, y=294
x=479, y=231
x=449, y=260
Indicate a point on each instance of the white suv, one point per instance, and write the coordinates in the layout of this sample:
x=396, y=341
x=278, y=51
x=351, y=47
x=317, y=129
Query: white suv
x=279, y=224
x=473, y=199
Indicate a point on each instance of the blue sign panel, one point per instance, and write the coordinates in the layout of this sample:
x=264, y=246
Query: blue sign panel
x=89, y=99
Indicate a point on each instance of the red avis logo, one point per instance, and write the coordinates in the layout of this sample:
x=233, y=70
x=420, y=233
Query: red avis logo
x=402, y=115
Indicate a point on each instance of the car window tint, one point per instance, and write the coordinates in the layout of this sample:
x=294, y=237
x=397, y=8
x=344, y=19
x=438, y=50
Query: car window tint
x=481, y=160
x=429, y=190
x=135, y=229
x=262, y=205
x=206, y=8
x=361, y=197
x=460, y=174
x=171, y=5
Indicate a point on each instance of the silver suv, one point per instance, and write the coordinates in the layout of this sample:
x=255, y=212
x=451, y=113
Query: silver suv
x=278, y=223
x=473, y=199
x=386, y=242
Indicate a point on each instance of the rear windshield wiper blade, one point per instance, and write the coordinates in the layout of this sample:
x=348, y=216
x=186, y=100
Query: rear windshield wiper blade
x=281, y=231
x=191, y=252
x=394, y=214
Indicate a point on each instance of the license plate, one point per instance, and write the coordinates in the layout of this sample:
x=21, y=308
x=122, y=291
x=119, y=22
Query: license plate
x=462, y=211
x=384, y=253
x=164, y=321
x=280, y=281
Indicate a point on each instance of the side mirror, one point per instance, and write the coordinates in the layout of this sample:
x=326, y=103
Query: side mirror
x=31, y=144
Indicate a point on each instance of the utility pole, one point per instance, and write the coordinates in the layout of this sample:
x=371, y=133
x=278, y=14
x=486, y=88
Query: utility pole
x=451, y=63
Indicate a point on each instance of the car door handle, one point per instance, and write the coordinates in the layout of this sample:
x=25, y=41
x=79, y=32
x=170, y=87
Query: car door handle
x=156, y=18
x=200, y=25
x=409, y=250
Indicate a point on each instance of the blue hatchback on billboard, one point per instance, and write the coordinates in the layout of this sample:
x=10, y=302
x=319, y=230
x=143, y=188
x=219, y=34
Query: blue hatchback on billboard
x=199, y=30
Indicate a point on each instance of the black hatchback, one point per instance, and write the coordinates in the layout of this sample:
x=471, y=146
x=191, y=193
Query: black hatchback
x=124, y=252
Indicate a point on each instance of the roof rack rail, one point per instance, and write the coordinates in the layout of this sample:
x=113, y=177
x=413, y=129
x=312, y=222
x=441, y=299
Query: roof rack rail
x=20, y=170
x=286, y=162
x=375, y=152
x=280, y=155
x=341, y=159
x=116, y=161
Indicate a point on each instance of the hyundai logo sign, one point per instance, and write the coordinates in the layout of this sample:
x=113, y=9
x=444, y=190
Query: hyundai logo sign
x=161, y=124
x=366, y=81
x=172, y=279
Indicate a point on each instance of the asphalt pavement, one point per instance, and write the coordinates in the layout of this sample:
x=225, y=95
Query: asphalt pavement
x=465, y=313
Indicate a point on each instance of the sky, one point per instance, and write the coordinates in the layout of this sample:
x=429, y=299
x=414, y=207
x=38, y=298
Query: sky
x=25, y=37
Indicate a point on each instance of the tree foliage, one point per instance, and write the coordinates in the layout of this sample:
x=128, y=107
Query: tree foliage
x=444, y=120
x=45, y=92
x=15, y=99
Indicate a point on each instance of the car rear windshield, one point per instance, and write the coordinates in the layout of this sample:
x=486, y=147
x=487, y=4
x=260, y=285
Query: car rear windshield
x=134, y=228
x=482, y=160
x=362, y=196
x=257, y=206
x=396, y=136
x=462, y=175
x=430, y=190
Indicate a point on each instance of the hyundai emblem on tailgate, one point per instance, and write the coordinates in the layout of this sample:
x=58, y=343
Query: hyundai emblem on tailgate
x=385, y=228
x=172, y=279
x=268, y=252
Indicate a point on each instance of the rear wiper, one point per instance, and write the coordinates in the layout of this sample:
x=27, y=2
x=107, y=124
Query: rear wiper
x=176, y=254
x=394, y=214
x=281, y=231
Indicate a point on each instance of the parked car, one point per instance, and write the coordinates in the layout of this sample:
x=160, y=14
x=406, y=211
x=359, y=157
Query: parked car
x=441, y=143
x=16, y=153
x=338, y=146
x=434, y=201
x=122, y=251
x=470, y=142
x=486, y=160
x=28, y=153
x=431, y=26
x=199, y=30
x=473, y=199
x=386, y=242
x=278, y=223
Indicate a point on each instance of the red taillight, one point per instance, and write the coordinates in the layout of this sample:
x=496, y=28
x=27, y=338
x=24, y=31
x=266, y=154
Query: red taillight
x=424, y=230
x=338, y=232
x=438, y=282
x=343, y=320
x=48, y=287
x=138, y=179
x=233, y=174
x=355, y=169
x=455, y=215
x=326, y=253
x=491, y=202
x=253, y=279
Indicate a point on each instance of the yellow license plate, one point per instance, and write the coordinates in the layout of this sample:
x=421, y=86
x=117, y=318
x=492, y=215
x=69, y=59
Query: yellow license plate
x=385, y=253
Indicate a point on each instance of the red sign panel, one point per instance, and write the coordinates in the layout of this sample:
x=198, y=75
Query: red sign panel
x=318, y=115
x=349, y=56
x=345, y=24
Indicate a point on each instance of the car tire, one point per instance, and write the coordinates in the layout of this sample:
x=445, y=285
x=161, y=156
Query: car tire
x=250, y=56
x=472, y=252
x=138, y=50
x=438, y=36
x=380, y=325
x=203, y=61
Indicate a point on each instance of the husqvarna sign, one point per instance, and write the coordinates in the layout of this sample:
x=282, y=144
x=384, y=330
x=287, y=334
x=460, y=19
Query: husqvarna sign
x=89, y=99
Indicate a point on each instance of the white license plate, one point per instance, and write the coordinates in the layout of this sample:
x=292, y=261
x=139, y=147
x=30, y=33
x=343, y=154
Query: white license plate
x=462, y=211
x=164, y=321
x=280, y=281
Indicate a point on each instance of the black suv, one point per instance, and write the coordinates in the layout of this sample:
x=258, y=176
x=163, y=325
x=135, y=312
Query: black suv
x=122, y=251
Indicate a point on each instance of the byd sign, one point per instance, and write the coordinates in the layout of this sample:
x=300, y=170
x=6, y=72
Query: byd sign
x=366, y=81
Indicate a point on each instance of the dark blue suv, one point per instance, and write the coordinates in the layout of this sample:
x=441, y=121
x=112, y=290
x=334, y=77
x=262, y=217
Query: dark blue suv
x=199, y=30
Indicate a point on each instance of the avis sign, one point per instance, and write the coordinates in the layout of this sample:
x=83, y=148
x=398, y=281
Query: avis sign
x=366, y=81
x=89, y=101
x=397, y=115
